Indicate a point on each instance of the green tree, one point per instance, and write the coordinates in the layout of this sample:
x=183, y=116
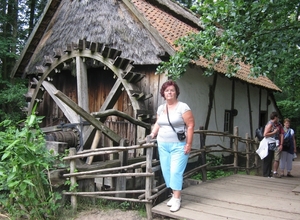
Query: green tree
x=264, y=34
x=261, y=33
x=17, y=19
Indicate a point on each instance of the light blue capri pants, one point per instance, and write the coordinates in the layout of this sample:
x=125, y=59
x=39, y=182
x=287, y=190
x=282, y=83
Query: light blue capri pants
x=173, y=162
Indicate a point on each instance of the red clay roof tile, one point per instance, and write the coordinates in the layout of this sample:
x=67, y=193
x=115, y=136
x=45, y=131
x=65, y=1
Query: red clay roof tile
x=171, y=29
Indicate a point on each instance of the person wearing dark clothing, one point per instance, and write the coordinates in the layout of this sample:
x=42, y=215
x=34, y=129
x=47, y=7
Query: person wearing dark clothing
x=275, y=130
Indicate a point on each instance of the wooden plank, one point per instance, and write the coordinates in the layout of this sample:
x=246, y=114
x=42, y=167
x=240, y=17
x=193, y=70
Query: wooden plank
x=236, y=211
x=242, y=197
x=238, y=197
x=254, y=190
x=184, y=213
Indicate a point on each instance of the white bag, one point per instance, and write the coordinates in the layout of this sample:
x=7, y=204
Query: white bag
x=263, y=150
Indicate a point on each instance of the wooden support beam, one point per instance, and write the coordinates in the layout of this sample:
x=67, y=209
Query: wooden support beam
x=68, y=112
x=95, y=143
x=106, y=113
x=82, y=84
x=113, y=96
x=97, y=124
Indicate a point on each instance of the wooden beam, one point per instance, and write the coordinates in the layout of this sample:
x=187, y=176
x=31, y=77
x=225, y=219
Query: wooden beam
x=82, y=84
x=104, y=114
x=97, y=124
x=68, y=112
x=109, y=103
x=95, y=143
x=113, y=96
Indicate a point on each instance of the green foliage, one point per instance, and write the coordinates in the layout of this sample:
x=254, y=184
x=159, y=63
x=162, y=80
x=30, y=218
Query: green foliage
x=186, y=3
x=12, y=99
x=263, y=34
x=290, y=108
x=24, y=169
x=124, y=205
x=215, y=174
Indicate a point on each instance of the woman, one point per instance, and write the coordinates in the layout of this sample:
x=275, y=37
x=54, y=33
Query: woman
x=173, y=154
x=288, y=149
x=275, y=130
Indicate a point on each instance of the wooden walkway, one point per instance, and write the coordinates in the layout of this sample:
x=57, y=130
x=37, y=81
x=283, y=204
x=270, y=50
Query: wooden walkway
x=239, y=197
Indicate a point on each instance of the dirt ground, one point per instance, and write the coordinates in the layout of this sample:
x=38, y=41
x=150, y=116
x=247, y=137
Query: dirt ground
x=113, y=215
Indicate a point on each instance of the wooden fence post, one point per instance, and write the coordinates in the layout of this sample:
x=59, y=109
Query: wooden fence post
x=121, y=180
x=247, y=154
x=203, y=155
x=235, y=149
x=148, y=187
x=256, y=155
x=72, y=152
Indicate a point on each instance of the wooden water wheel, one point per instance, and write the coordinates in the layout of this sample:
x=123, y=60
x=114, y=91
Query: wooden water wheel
x=81, y=60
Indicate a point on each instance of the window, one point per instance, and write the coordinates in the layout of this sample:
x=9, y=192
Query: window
x=263, y=118
x=228, y=121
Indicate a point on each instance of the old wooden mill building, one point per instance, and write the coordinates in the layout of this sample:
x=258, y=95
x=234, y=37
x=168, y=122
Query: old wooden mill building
x=91, y=68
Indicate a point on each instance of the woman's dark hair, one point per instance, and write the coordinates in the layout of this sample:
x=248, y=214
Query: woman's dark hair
x=273, y=115
x=167, y=84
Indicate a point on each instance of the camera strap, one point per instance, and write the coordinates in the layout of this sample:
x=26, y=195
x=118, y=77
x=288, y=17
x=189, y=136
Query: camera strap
x=169, y=119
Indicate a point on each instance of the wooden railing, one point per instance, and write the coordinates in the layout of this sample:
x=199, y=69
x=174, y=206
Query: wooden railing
x=147, y=167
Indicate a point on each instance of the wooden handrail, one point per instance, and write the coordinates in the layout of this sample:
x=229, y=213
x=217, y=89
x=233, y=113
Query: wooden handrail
x=150, y=166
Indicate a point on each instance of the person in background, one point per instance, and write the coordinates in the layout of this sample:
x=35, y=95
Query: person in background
x=275, y=130
x=173, y=154
x=288, y=150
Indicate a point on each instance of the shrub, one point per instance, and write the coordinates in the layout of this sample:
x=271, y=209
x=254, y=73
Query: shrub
x=24, y=168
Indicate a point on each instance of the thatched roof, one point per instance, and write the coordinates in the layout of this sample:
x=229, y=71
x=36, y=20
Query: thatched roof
x=143, y=30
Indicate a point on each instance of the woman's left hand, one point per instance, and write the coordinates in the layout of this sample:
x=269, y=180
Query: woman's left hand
x=187, y=148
